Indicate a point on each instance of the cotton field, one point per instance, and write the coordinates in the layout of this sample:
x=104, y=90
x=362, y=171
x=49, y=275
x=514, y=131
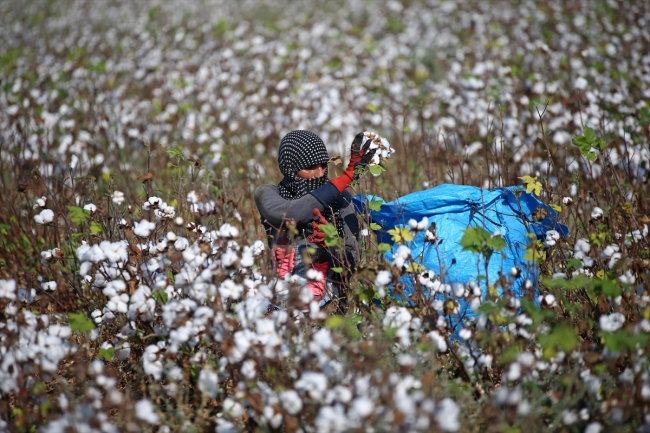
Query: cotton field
x=136, y=283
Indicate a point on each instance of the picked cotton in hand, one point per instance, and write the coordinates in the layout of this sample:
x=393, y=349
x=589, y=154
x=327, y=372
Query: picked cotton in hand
x=384, y=151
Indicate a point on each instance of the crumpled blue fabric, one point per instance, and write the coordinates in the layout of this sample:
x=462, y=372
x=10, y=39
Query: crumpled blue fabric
x=454, y=208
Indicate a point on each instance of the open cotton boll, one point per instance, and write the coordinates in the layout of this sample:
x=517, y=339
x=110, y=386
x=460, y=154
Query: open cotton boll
x=384, y=150
x=45, y=217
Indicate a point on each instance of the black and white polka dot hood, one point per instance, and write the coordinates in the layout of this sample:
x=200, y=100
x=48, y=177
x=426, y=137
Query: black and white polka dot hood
x=298, y=150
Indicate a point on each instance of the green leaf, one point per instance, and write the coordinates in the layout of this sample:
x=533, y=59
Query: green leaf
x=591, y=156
x=80, y=323
x=376, y=169
x=375, y=226
x=161, y=296
x=334, y=322
x=589, y=135
x=106, y=354
x=176, y=153
x=375, y=204
x=337, y=269
x=329, y=230
x=372, y=108
x=383, y=247
x=563, y=337
x=78, y=215
x=95, y=228
x=600, y=144
x=572, y=264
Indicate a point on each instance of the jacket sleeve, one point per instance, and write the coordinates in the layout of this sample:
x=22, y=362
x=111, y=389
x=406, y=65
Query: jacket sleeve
x=274, y=209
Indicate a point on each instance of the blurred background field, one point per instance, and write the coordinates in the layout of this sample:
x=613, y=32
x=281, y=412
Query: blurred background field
x=160, y=98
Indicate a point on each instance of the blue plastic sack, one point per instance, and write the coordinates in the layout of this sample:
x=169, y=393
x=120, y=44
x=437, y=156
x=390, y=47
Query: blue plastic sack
x=454, y=208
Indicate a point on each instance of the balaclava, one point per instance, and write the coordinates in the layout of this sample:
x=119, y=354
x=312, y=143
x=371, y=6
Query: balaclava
x=298, y=150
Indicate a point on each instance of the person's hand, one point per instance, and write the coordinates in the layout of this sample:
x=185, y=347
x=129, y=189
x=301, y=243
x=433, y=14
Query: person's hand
x=360, y=157
x=318, y=236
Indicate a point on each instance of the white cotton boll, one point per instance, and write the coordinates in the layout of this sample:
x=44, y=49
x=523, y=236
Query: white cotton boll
x=314, y=275
x=230, y=289
x=96, y=254
x=312, y=384
x=257, y=248
x=582, y=245
x=611, y=322
x=145, y=411
x=306, y=295
x=232, y=409
x=552, y=236
x=85, y=268
x=627, y=278
x=514, y=372
x=567, y=201
x=144, y=228
x=465, y=334
x=594, y=427
x=228, y=231
x=458, y=290
x=413, y=224
x=8, y=289
x=229, y=258
x=247, y=258
x=596, y=213
x=97, y=316
x=45, y=217
x=193, y=197
x=90, y=208
x=171, y=236
x=361, y=407
x=383, y=278
x=438, y=340
x=208, y=382
x=423, y=224
x=447, y=412
x=290, y=401
x=397, y=317
x=117, y=197
x=49, y=286
x=248, y=369
x=485, y=360
x=613, y=260
x=40, y=203
x=181, y=244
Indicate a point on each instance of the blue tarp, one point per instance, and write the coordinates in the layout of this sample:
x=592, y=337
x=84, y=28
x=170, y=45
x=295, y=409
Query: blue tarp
x=454, y=208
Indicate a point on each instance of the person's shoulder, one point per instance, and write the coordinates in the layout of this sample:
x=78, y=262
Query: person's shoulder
x=266, y=189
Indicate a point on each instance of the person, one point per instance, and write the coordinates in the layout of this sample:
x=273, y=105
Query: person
x=292, y=211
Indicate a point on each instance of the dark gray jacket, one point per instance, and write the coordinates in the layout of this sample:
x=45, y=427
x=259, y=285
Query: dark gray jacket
x=275, y=210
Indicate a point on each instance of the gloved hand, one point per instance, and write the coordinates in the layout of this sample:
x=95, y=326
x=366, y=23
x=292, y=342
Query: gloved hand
x=317, y=237
x=360, y=156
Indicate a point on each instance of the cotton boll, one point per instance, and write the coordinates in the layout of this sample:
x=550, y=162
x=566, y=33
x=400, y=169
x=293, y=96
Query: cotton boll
x=45, y=217
x=117, y=197
x=596, y=213
x=40, y=203
x=145, y=411
x=291, y=401
x=208, y=382
x=49, y=286
x=143, y=228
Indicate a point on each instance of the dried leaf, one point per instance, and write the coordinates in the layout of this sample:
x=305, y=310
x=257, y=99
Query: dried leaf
x=336, y=160
x=146, y=177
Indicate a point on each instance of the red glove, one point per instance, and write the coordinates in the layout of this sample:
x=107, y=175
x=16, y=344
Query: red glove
x=284, y=257
x=318, y=287
x=359, y=158
x=317, y=237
